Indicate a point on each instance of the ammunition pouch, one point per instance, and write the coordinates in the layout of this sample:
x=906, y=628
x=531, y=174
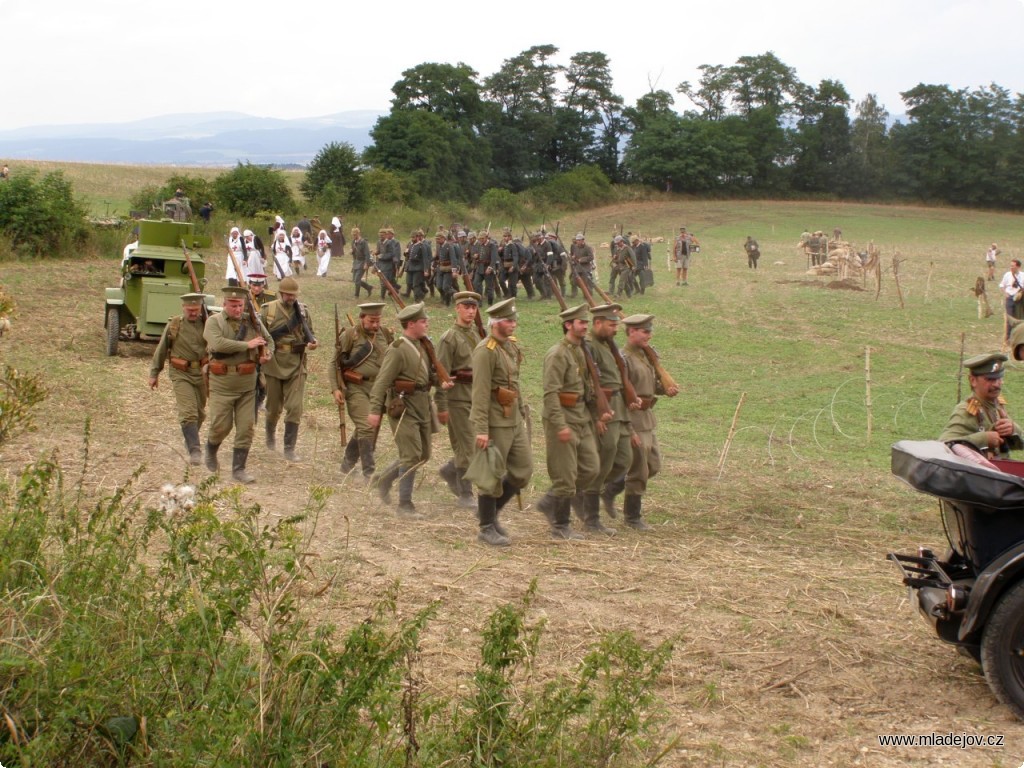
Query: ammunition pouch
x=352, y=377
x=463, y=374
x=396, y=405
x=404, y=386
x=569, y=399
x=646, y=403
x=506, y=398
x=609, y=392
x=221, y=369
x=181, y=364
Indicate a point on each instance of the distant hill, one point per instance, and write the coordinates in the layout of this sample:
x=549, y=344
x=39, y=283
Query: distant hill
x=214, y=138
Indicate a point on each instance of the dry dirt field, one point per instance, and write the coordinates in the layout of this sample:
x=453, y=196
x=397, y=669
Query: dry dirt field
x=795, y=642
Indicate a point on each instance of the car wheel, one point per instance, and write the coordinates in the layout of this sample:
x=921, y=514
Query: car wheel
x=1002, y=649
x=113, y=330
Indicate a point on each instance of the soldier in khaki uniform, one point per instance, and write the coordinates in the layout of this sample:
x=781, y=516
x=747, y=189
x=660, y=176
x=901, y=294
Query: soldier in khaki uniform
x=183, y=346
x=646, y=461
x=403, y=388
x=292, y=331
x=613, y=437
x=235, y=349
x=623, y=263
x=569, y=414
x=981, y=420
x=455, y=351
x=498, y=417
x=358, y=354
x=582, y=256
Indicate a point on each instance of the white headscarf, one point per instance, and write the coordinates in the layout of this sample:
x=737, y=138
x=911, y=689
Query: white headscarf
x=323, y=237
x=336, y=223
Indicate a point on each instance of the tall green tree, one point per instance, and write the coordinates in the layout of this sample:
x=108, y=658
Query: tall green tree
x=590, y=97
x=821, y=142
x=246, y=189
x=334, y=178
x=867, y=169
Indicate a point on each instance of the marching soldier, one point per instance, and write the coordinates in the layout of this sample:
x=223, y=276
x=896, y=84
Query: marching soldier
x=485, y=265
x=753, y=252
x=449, y=264
x=390, y=256
x=361, y=262
x=582, y=256
x=455, y=351
x=646, y=460
x=358, y=355
x=291, y=329
x=182, y=345
x=568, y=415
x=402, y=388
x=613, y=436
x=236, y=343
x=644, y=276
x=498, y=417
x=623, y=262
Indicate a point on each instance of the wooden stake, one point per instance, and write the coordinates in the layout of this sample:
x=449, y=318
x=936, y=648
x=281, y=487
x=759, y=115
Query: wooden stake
x=728, y=439
x=896, y=276
x=867, y=386
x=928, y=282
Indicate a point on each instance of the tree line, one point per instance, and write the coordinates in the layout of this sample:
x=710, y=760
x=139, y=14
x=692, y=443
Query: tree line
x=753, y=128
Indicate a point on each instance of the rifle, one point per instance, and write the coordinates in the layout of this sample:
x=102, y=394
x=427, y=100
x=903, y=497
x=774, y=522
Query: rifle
x=628, y=390
x=428, y=345
x=204, y=313
x=341, y=407
x=667, y=382
x=603, y=407
x=252, y=306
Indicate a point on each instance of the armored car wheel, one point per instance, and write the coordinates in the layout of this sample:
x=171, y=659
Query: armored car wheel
x=113, y=330
x=1002, y=649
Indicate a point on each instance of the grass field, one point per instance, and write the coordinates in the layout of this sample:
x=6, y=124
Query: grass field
x=797, y=645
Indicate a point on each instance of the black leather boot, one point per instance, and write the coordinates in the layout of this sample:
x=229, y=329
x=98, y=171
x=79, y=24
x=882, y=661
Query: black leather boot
x=291, y=437
x=405, y=485
x=612, y=489
x=271, y=429
x=631, y=506
x=450, y=475
x=466, y=498
x=366, y=457
x=191, y=433
x=386, y=480
x=561, y=528
x=238, y=459
x=489, y=533
x=211, y=457
x=348, y=463
x=592, y=515
x=546, y=505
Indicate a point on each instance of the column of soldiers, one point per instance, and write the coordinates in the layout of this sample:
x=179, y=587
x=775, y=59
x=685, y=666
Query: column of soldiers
x=592, y=453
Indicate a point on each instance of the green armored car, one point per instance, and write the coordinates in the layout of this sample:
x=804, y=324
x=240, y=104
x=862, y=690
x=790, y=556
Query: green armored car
x=154, y=276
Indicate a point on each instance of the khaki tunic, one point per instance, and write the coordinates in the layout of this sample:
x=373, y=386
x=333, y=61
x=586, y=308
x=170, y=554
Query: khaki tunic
x=455, y=351
x=646, y=461
x=572, y=466
x=497, y=364
x=188, y=387
x=357, y=396
x=232, y=395
x=406, y=360
x=970, y=421
x=614, y=449
x=286, y=372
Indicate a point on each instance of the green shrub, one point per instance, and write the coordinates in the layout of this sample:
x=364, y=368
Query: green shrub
x=249, y=188
x=501, y=204
x=582, y=187
x=383, y=187
x=334, y=179
x=41, y=216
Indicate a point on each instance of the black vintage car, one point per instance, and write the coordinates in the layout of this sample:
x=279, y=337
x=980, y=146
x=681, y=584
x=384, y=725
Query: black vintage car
x=973, y=593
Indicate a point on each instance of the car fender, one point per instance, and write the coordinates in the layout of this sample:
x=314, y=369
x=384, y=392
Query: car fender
x=1000, y=574
x=114, y=297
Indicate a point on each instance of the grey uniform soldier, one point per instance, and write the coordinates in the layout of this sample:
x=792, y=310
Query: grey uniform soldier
x=449, y=264
x=498, y=417
x=568, y=415
x=644, y=275
x=360, y=262
x=358, y=354
x=981, y=420
x=292, y=331
x=613, y=437
x=235, y=346
x=182, y=345
x=455, y=351
x=582, y=256
x=646, y=459
x=623, y=264
x=403, y=388
x=390, y=257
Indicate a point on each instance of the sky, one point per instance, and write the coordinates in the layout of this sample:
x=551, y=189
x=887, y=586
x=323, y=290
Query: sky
x=113, y=61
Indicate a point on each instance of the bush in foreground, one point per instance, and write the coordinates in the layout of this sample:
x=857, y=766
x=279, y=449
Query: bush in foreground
x=183, y=635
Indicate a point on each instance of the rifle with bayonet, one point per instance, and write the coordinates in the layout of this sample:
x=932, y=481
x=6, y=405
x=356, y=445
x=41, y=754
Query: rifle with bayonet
x=204, y=313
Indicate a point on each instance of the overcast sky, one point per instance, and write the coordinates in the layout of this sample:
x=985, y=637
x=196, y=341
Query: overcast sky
x=105, y=60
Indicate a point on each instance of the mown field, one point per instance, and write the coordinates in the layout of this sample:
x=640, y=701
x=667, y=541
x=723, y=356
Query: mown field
x=796, y=643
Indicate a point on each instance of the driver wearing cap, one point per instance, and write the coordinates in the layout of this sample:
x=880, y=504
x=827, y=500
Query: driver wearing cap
x=981, y=420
